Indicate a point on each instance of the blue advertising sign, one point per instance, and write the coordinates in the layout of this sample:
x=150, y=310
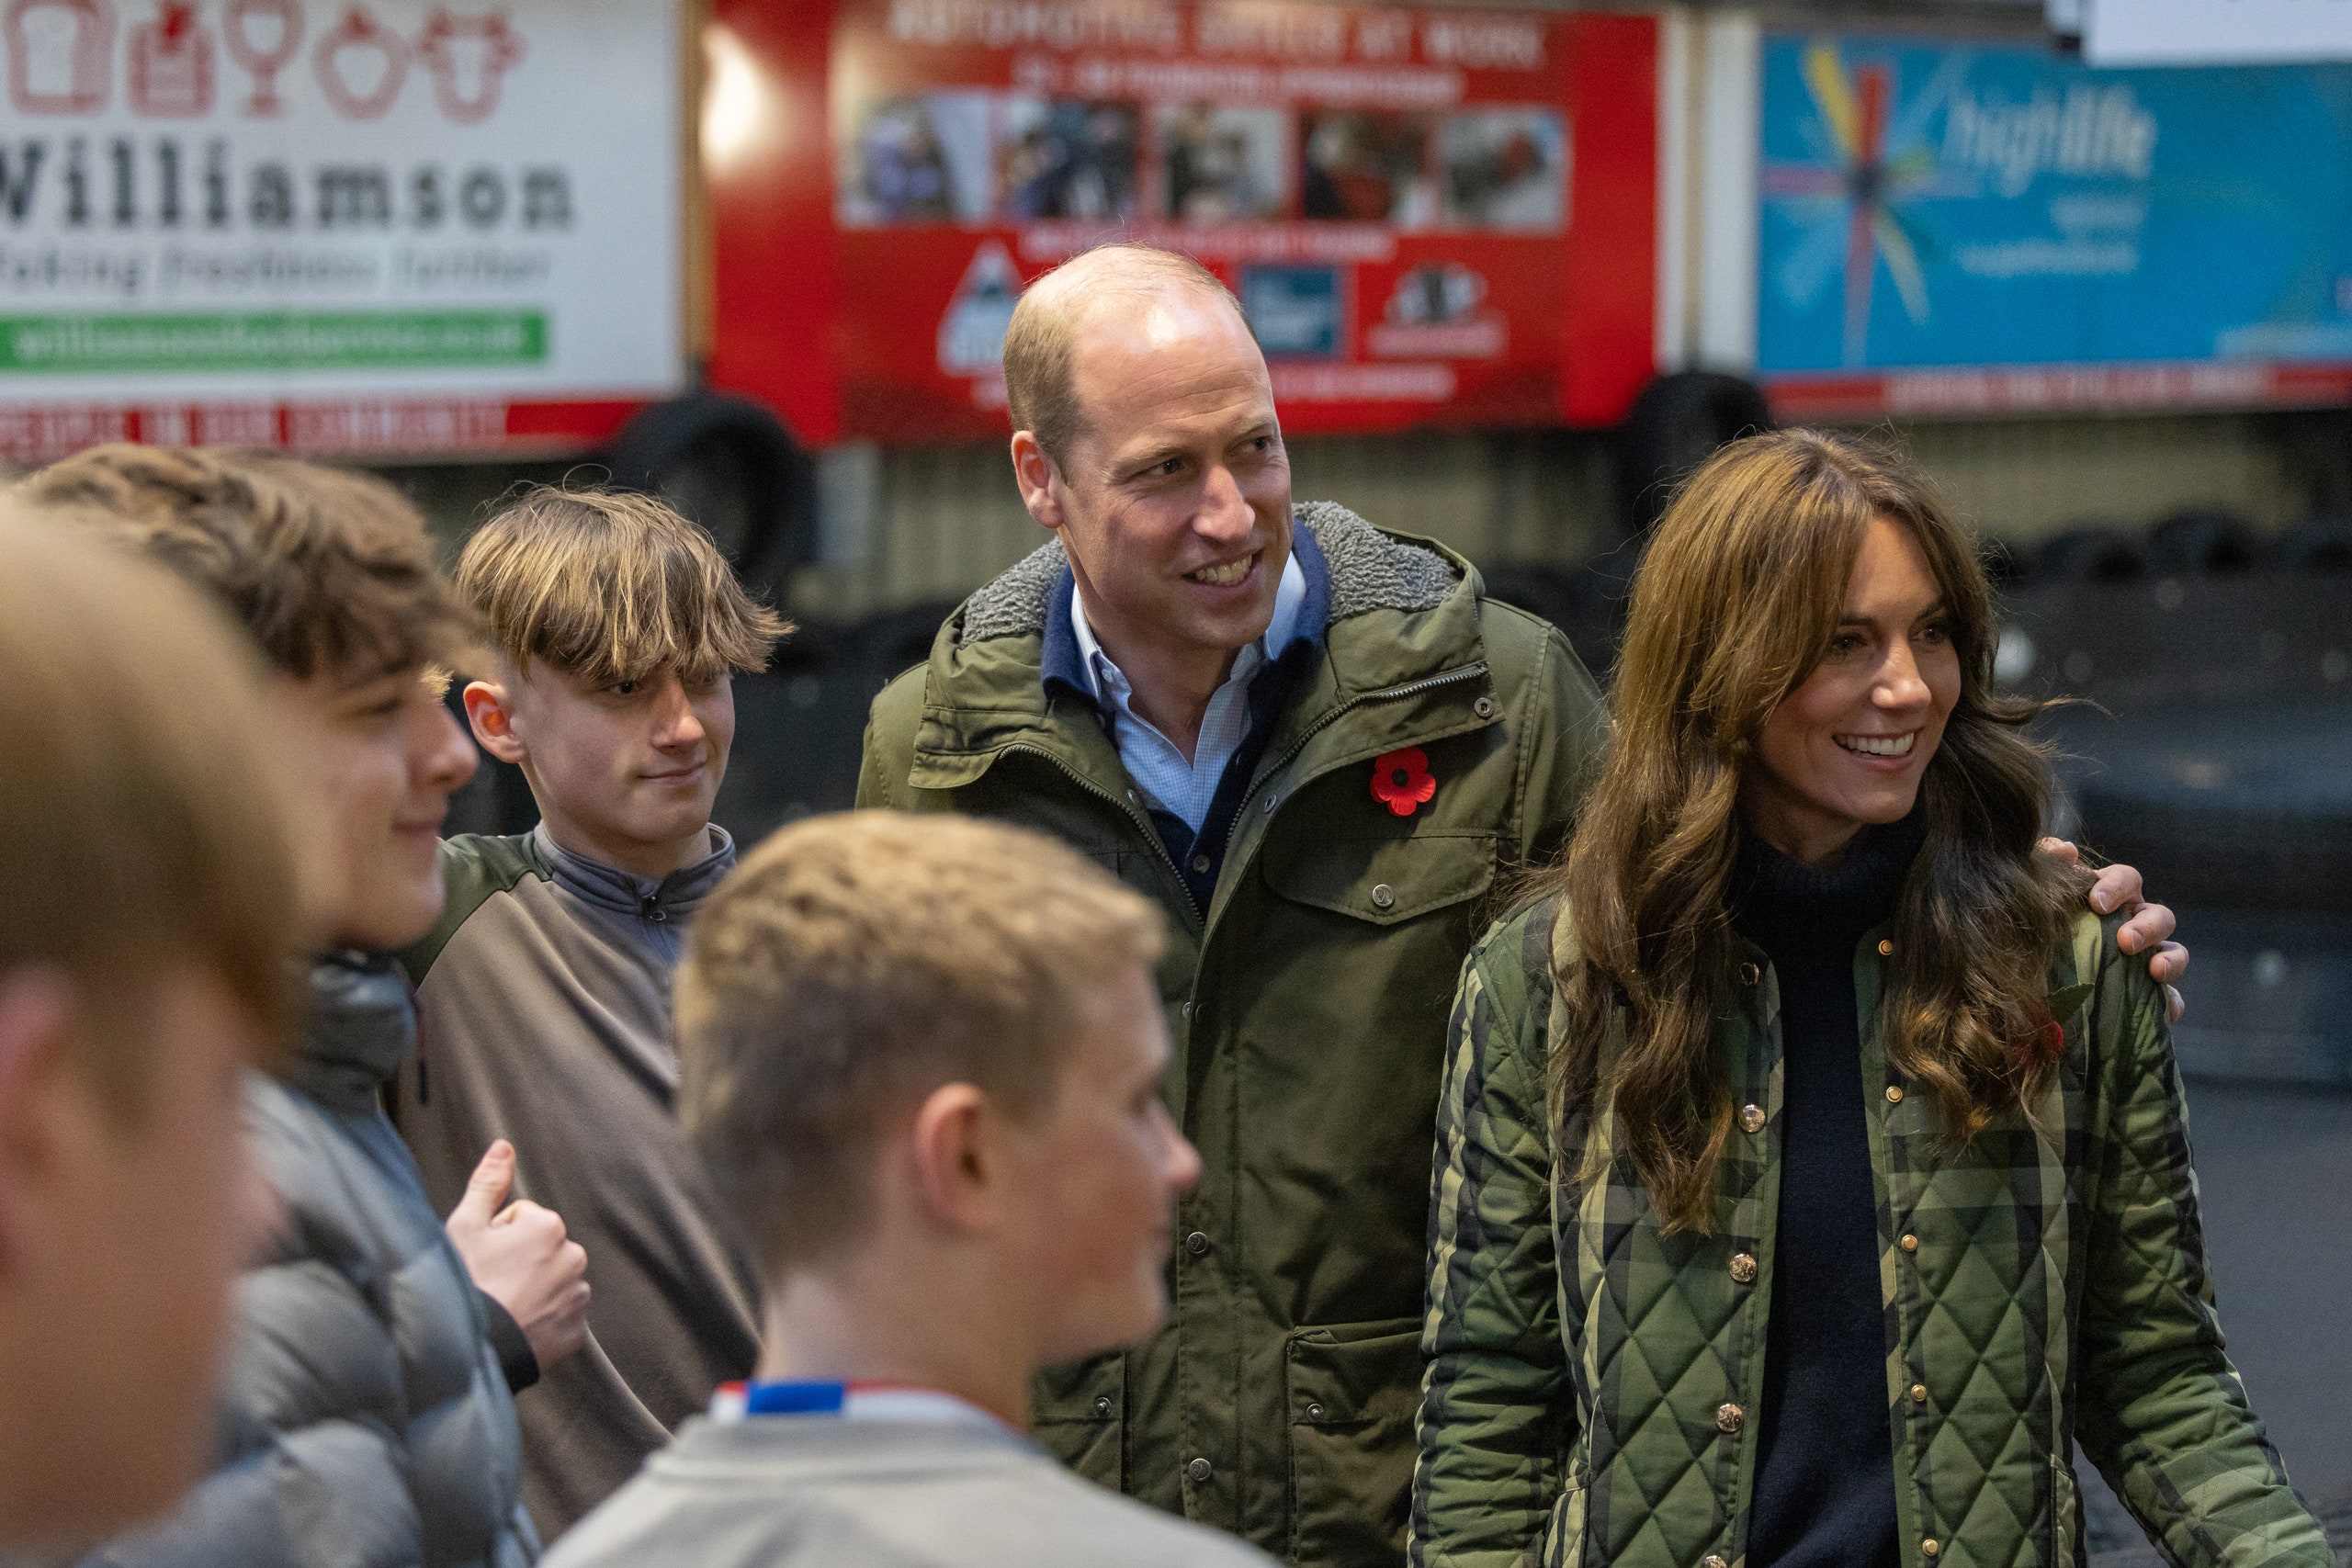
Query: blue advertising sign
x=2156, y=236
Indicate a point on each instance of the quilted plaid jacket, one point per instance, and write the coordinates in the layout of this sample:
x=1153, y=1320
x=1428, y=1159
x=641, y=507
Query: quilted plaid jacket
x=1591, y=1396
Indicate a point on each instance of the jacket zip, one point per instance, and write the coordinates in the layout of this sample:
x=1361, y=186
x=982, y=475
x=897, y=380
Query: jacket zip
x=1133, y=813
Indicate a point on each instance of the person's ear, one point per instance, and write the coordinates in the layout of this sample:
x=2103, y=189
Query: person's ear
x=492, y=714
x=959, y=1166
x=1035, y=472
x=36, y=1027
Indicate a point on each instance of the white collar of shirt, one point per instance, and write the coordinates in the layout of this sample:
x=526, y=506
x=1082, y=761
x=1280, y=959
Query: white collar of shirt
x=1289, y=594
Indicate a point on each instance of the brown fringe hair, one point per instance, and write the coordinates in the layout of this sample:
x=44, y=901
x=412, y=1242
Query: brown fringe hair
x=612, y=586
x=330, y=571
x=1734, y=606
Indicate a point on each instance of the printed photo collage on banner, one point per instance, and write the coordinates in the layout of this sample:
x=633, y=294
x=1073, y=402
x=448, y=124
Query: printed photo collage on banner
x=970, y=156
x=1390, y=192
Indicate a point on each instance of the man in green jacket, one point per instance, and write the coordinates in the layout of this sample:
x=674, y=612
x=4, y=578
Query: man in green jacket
x=1324, y=752
x=1367, y=771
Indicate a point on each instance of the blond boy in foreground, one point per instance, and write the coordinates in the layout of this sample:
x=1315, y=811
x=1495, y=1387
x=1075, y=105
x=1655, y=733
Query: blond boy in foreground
x=151, y=907
x=922, y=1061
x=545, y=987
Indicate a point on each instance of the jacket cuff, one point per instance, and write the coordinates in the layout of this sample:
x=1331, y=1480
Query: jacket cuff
x=515, y=1357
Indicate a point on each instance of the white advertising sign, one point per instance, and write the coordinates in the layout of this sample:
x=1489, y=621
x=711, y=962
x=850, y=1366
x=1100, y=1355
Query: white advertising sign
x=253, y=203
x=2215, y=32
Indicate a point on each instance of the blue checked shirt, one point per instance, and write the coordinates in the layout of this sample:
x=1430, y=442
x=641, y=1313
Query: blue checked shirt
x=1171, y=781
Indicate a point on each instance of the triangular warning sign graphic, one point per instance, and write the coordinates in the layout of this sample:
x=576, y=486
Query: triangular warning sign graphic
x=971, y=335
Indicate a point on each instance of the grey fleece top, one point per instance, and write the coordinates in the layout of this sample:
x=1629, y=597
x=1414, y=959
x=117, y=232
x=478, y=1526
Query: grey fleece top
x=793, y=1491
x=544, y=1004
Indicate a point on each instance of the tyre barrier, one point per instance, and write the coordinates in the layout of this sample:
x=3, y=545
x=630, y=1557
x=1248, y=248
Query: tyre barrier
x=2195, y=541
x=2091, y=552
x=2203, y=541
x=1587, y=601
x=2244, y=802
x=2319, y=545
x=1674, y=426
x=726, y=463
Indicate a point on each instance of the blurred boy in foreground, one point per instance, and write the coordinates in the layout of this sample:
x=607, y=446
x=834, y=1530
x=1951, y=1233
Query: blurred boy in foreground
x=365, y=1418
x=544, y=990
x=923, y=1060
x=151, y=911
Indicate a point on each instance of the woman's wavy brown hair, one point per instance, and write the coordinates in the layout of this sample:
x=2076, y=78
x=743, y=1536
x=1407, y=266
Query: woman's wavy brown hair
x=1735, y=602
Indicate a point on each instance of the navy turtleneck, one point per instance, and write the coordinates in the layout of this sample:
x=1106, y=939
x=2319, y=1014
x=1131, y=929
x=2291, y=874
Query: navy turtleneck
x=1824, y=1494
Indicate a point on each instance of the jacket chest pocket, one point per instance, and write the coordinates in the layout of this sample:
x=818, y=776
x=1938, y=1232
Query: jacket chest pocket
x=1382, y=881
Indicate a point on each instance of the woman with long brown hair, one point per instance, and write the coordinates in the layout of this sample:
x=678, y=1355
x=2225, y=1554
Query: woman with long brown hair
x=1812, y=1171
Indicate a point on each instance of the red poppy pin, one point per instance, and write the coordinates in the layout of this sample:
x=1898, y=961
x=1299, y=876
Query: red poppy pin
x=1401, y=781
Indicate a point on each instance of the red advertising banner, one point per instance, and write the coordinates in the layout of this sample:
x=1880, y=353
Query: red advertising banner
x=1435, y=216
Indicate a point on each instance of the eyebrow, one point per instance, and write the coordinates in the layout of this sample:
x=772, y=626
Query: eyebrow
x=1150, y=459
x=1939, y=608
x=1159, y=455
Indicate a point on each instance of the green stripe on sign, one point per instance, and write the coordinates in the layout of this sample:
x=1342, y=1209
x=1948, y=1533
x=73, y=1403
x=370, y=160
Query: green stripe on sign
x=321, y=341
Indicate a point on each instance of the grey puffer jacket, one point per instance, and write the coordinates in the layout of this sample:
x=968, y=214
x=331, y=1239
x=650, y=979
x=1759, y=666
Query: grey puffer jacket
x=365, y=1422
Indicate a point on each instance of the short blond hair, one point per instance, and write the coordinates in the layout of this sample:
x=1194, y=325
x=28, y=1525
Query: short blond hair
x=145, y=822
x=1041, y=343
x=330, y=571
x=854, y=964
x=609, y=585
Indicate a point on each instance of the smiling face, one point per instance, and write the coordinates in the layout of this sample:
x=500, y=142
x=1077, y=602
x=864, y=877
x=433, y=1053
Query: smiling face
x=1849, y=746
x=1173, y=499
x=624, y=772
x=384, y=756
x=1098, y=1172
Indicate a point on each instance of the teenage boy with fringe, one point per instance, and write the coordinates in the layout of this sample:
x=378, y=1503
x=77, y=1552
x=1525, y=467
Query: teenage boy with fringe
x=923, y=1060
x=616, y=628
x=367, y=1417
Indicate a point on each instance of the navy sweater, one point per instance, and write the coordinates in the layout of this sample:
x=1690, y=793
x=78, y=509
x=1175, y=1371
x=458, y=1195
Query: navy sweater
x=1824, y=1459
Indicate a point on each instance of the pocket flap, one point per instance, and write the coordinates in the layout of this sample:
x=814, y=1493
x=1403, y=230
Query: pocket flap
x=1356, y=1372
x=1353, y=1389
x=1382, y=880
x=1091, y=1390
x=1079, y=1415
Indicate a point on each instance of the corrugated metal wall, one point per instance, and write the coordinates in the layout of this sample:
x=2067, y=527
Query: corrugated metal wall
x=937, y=522
x=943, y=520
x=928, y=524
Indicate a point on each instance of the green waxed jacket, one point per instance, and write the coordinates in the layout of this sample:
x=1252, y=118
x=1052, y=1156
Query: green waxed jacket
x=1306, y=1004
x=1593, y=1384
